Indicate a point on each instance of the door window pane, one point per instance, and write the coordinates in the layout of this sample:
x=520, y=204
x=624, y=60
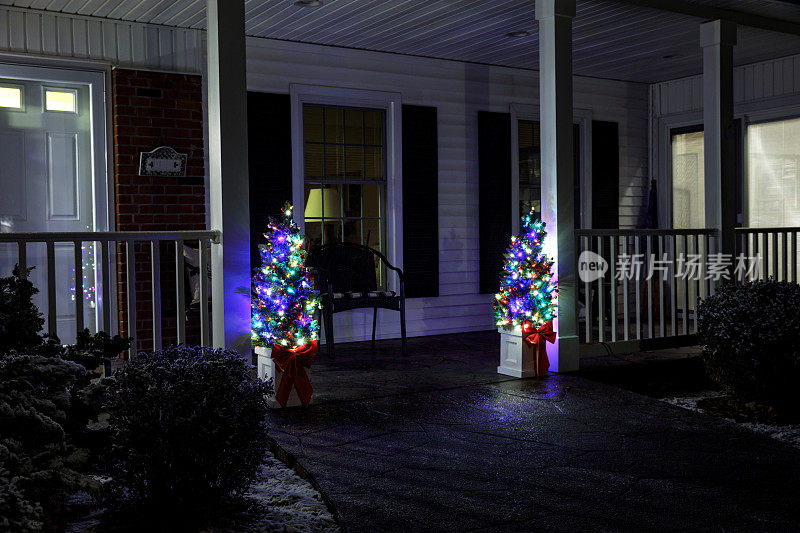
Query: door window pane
x=688, y=183
x=63, y=101
x=11, y=97
x=773, y=174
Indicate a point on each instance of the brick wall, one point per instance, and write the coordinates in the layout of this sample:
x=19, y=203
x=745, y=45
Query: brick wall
x=152, y=109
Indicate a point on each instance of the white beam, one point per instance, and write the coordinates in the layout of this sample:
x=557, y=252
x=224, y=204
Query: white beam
x=555, y=90
x=228, y=174
x=717, y=39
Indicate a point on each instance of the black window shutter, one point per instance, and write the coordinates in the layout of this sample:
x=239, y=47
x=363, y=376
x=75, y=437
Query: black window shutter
x=269, y=144
x=420, y=201
x=494, y=195
x=605, y=175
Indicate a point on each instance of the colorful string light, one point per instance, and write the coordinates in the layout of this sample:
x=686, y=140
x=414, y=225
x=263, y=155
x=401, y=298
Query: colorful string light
x=89, y=291
x=284, y=300
x=527, y=291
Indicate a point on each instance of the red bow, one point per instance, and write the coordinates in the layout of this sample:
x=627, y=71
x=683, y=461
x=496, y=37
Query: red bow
x=293, y=363
x=536, y=338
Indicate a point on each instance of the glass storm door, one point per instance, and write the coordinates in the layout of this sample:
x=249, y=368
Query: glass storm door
x=46, y=186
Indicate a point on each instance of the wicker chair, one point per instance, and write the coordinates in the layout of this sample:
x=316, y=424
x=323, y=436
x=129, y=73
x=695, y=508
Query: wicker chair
x=347, y=280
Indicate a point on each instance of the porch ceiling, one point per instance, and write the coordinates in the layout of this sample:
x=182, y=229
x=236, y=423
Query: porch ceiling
x=611, y=39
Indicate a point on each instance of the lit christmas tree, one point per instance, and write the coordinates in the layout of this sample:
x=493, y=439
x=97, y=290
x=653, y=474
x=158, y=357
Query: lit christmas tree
x=527, y=295
x=283, y=300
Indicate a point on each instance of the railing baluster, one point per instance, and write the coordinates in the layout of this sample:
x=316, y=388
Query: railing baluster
x=785, y=256
x=155, y=288
x=697, y=281
x=22, y=258
x=204, y=324
x=662, y=276
x=179, y=292
x=673, y=290
x=613, y=284
x=130, y=288
x=685, y=281
x=78, y=259
x=650, y=255
x=625, y=318
x=638, y=287
x=52, y=326
x=743, y=247
x=758, y=254
x=105, y=285
x=710, y=247
x=601, y=299
x=773, y=235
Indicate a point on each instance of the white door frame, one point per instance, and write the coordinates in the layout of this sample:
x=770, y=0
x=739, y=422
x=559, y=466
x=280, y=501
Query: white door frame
x=98, y=78
x=99, y=127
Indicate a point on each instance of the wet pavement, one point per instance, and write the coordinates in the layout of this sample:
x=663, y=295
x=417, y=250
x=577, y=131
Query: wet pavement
x=438, y=441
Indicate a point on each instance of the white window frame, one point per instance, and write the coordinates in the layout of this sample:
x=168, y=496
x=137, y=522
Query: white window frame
x=749, y=113
x=664, y=186
x=581, y=117
x=759, y=116
x=391, y=104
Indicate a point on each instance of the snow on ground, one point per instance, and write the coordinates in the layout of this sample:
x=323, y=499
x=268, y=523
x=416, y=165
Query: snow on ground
x=285, y=502
x=789, y=433
x=280, y=501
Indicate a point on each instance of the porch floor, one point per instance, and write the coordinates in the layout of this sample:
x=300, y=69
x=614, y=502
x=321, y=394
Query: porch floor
x=440, y=441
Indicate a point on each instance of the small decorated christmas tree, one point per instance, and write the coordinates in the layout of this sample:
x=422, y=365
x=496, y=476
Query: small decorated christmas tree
x=284, y=299
x=527, y=295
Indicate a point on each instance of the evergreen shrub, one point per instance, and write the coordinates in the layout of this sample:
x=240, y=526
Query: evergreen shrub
x=751, y=340
x=188, y=427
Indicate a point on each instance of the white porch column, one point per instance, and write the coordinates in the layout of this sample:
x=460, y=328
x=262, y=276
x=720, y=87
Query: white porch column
x=555, y=104
x=229, y=189
x=717, y=39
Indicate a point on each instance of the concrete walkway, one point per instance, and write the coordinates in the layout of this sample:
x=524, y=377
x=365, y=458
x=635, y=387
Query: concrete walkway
x=439, y=442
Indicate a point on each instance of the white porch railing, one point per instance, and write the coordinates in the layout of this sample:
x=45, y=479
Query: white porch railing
x=641, y=297
x=776, y=248
x=656, y=295
x=112, y=250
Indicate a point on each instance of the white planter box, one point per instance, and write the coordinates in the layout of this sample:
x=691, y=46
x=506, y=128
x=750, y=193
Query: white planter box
x=266, y=370
x=517, y=357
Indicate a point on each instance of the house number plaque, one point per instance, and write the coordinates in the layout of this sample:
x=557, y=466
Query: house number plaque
x=163, y=161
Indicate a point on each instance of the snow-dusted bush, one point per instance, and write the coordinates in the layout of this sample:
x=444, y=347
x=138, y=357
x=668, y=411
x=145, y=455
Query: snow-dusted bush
x=751, y=338
x=39, y=466
x=188, y=425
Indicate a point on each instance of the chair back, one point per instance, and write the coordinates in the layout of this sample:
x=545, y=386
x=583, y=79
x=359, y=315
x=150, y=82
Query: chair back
x=348, y=267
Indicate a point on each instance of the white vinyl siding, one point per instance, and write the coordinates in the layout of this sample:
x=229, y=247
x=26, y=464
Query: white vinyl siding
x=776, y=79
x=123, y=44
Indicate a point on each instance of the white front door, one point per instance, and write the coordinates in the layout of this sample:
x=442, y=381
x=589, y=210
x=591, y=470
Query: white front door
x=47, y=185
